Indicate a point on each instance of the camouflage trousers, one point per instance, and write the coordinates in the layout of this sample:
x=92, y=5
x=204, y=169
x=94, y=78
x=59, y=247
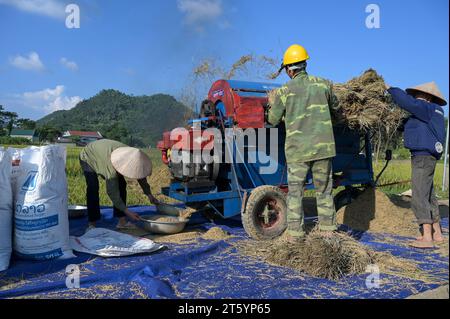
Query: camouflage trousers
x=323, y=183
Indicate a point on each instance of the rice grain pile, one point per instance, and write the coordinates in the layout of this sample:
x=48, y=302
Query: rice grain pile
x=160, y=177
x=166, y=220
x=374, y=211
x=215, y=233
x=187, y=213
x=186, y=237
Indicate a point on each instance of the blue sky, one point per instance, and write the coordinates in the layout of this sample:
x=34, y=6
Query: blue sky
x=146, y=47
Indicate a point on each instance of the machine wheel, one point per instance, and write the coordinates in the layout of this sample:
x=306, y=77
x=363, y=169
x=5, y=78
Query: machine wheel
x=265, y=215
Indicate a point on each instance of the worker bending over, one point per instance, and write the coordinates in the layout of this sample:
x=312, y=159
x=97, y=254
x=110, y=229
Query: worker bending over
x=114, y=161
x=424, y=136
x=305, y=104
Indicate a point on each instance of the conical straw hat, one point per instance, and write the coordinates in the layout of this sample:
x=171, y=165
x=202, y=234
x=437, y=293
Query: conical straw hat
x=131, y=162
x=429, y=88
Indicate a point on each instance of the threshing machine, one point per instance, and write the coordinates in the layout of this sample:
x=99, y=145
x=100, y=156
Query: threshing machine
x=238, y=186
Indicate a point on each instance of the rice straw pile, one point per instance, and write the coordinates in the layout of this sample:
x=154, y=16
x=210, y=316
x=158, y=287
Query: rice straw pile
x=329, y=256
x=366, y=106
x=334, y=256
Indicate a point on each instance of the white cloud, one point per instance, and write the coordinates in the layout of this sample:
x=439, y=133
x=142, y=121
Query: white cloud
x=51, y=8
x=31, y=63
x=71, y=65
x=49, y=100
x=200, y=12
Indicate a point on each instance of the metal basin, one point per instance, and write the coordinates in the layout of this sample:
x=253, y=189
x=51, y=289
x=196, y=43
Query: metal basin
x=77, y=211
x=160, y=224
x=167, y=209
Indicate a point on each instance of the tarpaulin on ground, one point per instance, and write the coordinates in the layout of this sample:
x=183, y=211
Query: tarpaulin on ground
x=210, y=269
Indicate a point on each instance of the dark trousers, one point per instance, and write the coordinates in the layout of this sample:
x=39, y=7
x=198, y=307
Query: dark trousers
x=424, y=202
x=92, y=193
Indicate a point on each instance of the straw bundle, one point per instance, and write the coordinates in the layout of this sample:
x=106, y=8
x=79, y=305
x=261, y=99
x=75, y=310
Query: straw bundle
x=333, y=256
x=323, y=255
x=365, y=105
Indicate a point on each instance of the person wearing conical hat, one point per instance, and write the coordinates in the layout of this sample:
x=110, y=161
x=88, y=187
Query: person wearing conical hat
x=114, y=161
x=424, y=136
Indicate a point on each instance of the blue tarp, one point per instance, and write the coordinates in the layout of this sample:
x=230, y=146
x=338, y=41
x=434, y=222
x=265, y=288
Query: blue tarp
x=208, y=269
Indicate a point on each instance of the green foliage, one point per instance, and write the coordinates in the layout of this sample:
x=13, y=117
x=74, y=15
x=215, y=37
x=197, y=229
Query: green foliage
x=25, y=124
x=7, y=140
x=10, y=120
x=136, y=120
x=48, y=133
x=401, y=153
x=74, y=139
x=7, y=119
x=117, y=132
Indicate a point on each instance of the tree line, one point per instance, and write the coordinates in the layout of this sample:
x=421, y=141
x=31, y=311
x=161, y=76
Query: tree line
x=10, y=120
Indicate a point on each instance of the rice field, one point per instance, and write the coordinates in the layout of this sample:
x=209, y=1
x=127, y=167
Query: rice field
x=400, y=170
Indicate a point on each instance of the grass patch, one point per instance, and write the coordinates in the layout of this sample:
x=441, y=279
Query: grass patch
x=400, y=170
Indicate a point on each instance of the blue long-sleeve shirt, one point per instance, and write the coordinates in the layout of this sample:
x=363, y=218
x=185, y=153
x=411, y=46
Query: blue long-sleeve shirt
x=425, y=129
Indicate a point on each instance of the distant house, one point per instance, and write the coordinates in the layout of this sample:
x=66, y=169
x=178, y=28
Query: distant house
x=28, y=134
x=83, y=138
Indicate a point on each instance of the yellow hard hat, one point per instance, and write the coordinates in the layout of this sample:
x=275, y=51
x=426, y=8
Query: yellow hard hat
x=295, y=54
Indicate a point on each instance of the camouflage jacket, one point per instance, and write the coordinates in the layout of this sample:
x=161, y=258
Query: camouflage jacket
x=305, y=103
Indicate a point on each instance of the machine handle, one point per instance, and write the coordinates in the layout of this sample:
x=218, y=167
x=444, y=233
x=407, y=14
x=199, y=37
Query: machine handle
x=388, y=158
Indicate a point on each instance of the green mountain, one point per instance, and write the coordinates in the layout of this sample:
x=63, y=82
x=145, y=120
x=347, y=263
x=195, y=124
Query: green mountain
x=135, y=120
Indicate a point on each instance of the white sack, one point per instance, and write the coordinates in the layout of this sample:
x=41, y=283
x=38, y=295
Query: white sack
x=41, y=222
x=6, y=209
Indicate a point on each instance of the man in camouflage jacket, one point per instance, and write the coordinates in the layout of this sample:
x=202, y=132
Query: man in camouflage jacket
x=305, y=104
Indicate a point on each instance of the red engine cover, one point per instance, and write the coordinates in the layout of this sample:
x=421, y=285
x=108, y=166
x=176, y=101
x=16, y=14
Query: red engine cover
x=247, y=112
x=250, y=112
